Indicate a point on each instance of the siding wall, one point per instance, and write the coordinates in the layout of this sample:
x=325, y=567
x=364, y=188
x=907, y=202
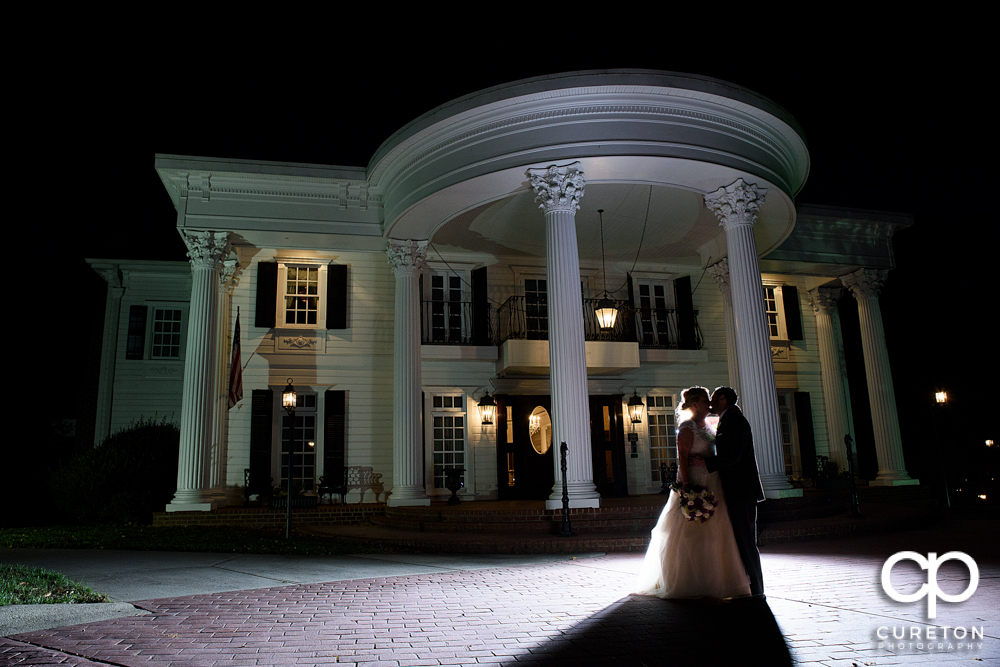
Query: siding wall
x=148, y=389
x=359, y=361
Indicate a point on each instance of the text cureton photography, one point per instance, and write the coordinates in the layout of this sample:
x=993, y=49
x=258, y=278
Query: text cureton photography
x=929, y=638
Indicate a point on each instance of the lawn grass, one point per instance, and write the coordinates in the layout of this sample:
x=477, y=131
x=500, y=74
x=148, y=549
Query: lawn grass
x=175, y=538
x=20, y=584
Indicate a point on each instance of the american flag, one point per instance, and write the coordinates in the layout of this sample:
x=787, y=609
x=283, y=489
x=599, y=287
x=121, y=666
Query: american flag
x=236, y=367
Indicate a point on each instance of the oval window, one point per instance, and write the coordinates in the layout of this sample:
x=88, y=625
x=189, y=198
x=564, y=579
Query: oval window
x=540, y=429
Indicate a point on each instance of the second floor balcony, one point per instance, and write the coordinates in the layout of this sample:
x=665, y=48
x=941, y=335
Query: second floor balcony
x=526, y=318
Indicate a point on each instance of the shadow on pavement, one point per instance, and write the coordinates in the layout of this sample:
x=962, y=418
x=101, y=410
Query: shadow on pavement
x=643, y=631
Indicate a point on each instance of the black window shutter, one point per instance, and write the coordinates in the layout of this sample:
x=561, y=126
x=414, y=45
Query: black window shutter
x=135, y=345
x=793, y=316
x=807, y=441
x=267, y=294
x=336, y=296
x=686, y=339
x=480, y=308
x=334, y=436
x=262, y=406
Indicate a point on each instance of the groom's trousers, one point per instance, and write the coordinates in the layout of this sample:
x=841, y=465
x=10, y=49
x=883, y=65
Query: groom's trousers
x=744, y=519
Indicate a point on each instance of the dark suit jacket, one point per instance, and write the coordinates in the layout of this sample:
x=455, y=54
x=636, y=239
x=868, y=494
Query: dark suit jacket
x=735, y=458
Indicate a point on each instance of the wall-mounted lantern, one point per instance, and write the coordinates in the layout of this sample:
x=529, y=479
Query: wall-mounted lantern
x=487, y=409
x=635, y=406
x=289, y=398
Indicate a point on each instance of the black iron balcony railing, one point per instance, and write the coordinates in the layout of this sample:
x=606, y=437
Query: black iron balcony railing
x=522, y=318
x=527, y=318
x=456, y=323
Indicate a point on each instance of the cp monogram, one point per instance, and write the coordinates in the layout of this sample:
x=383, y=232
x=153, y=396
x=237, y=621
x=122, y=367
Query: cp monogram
x=930, y=589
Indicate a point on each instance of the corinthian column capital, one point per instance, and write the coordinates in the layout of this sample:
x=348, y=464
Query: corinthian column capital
x=206, y=249
x=406, y=256
x=824, y=299
x=229, y=275
x=865, y=283
x=557, y=188
x=736, y=204
x=720, y=271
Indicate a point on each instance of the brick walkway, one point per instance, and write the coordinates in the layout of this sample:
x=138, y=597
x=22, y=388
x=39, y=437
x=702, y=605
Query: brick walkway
x=824, y=606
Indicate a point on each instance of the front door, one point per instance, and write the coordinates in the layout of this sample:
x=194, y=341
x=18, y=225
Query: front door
x=524, y=448
x=608, y=445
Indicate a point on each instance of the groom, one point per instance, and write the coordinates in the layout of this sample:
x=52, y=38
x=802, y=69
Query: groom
x=737, y=468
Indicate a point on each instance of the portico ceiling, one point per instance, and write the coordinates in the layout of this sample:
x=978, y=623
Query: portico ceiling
x=678, y=224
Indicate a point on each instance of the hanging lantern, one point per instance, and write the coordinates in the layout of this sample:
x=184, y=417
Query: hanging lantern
x=487, y=409
x=288, y=397
x=607, y=313
x=635, y=408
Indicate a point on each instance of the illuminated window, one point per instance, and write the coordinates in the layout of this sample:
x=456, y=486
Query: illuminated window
x=774, y=311
x=302, y=444
x=301, y=296
x=662, y=434
x=448, y=435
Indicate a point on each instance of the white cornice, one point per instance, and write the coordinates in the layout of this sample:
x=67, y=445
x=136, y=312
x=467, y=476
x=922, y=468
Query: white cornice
x=488, y=133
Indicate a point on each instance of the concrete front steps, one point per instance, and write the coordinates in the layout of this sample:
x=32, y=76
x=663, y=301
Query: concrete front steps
x=622, y=524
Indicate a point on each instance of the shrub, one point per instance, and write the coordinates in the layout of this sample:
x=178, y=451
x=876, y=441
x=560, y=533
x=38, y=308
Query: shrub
x=131, y=475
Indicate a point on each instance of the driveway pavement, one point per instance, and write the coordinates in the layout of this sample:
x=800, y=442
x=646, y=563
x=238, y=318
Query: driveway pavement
x=825, y=606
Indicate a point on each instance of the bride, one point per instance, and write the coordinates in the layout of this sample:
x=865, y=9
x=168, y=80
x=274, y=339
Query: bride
x=691, y=559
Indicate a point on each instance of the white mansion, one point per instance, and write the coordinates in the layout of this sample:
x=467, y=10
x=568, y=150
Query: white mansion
x=469, y=258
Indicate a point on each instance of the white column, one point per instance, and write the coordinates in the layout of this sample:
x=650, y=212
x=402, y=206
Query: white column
x=736, y=207
x=824, y=303
x=109, y=354
x=865, y=285
x=558, y=191
x=206, y=250
x=228, y=280
x=406, y=259
x=720, y=271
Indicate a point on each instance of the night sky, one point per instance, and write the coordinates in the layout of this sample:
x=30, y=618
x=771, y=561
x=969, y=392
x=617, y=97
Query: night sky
x=890, y=126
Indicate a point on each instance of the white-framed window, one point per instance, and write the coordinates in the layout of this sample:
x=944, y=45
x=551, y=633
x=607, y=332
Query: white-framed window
x=166, y=332
x=156, y=331
x=789, y=440
x=447, y=315
x=448, y=439
x=774, y=311
x=299, y=442
x=533, y=281
x=654, y=302
x=662, y=431
x=301, y=302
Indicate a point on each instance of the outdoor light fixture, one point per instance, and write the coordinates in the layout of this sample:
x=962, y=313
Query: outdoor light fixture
x=941, y=397
x=635, y=405
x=487, y=409
x=288, y=401
x=607, y=313
x=289, y=398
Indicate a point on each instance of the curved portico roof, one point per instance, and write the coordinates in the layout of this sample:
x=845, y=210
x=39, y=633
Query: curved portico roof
x=456, y=174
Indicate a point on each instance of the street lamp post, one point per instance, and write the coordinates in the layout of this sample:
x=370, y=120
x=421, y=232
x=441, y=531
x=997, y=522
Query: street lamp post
x=941, y=399
x=288, y=401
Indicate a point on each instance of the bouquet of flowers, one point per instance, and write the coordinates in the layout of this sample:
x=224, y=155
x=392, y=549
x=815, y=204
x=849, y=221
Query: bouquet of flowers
x=697, y=502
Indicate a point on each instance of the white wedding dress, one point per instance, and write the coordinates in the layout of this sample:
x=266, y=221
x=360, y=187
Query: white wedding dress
x=690, y=559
